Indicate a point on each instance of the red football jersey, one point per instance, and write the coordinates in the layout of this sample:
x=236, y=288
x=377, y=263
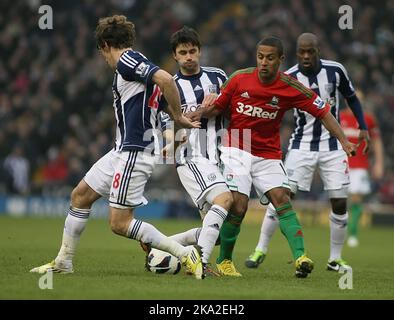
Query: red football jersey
x=260, y=108
x=350, y=127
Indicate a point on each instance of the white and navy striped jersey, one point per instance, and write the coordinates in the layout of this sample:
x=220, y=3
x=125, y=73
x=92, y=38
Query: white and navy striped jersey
x=309, y=133
x=203, y=142
x=137, y=101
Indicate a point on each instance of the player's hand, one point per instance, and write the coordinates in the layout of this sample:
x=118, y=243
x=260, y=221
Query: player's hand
x=349, y=148
x=209, y=100
x=194, y=115
x=184, y=122
x=364, y=135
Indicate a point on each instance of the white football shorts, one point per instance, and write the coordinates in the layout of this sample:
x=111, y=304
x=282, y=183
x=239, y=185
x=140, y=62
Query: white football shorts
x=121, y=177
x=203, y=181
x=333, y=169
x=359, y=181
x=242, y=169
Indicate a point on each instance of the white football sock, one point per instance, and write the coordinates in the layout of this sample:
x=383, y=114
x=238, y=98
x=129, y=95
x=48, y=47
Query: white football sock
x=187, y=238
x=73, y=227
x=268, y=227
x=211, y=225
x=145, y=232
x=338, y=231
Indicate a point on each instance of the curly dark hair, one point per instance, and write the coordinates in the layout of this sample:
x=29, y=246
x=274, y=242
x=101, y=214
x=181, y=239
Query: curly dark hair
x=115, y=31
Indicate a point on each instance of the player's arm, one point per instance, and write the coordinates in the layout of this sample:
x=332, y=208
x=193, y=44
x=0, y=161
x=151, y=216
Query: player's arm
x=219, y=104
x=209, y=100
x=206, y=112
x=348, y=92
x=378, y=151
x=211, y=111
x=332, y=125
x=171, y=140
x=136, y=67
x=170, y=91
x=168, y=149
x=378, y=167
x=355, y=106
x=167, y=128
x=305, y=99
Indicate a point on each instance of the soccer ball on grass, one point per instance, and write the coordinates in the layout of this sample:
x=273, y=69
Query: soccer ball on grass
x=163, y=262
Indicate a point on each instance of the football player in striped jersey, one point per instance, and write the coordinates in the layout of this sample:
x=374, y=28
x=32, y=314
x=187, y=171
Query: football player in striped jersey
x=121, y=175
x=198, y=159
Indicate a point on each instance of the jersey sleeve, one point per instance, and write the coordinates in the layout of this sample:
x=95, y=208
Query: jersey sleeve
x=311, y=103
x=226, y=93
x=222, y=75
x=133, y=66
x=345, y=84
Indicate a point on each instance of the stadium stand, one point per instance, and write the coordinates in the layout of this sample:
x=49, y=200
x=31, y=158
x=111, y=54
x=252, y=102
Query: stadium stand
x=56, y=115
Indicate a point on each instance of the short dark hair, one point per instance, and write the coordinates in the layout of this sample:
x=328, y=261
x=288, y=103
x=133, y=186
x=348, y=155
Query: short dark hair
x=115, y=31
x=272, y=41
x=185, y=35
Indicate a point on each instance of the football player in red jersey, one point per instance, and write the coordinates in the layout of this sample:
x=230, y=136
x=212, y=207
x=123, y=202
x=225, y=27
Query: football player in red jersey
x=257, y=99
x=312, y=148
x=359, y=165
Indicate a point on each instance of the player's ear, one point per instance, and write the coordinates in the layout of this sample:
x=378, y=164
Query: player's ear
x=105, y=46
x=282, y=58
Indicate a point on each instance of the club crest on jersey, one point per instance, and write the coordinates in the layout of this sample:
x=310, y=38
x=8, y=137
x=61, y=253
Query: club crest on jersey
x=319, y=103
x=212, y=88
x=229, y=177
x=142, y=69
x=274, y=102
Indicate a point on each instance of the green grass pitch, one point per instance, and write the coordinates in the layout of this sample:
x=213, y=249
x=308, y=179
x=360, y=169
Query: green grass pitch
x=111, y=267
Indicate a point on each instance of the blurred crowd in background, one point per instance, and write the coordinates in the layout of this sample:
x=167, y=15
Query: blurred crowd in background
x=56, y=114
